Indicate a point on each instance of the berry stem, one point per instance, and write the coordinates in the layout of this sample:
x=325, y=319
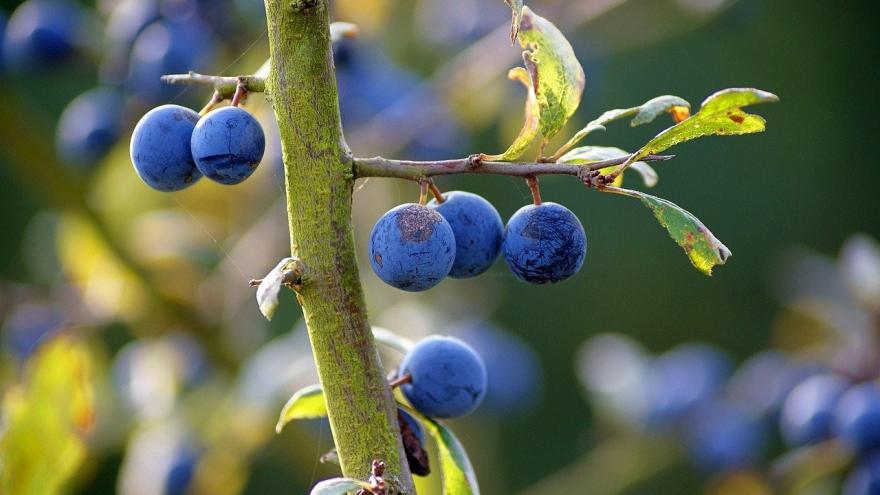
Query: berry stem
x=535, y=189
x=400, y=380
x=216, y=98
x=423, y=191
x=240, y=92
x=438, y=195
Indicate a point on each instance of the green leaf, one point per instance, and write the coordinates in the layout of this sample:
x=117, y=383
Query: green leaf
x=392, y=340
x=589, y=154
x=530, y=128
x=457, y=472
x=556, y=75
x=339, y=486
x=516, y=7
x=703, y=249
x=306, y=403
x=45, y=418
x=284, y=274
x=720, y=115
x=642, y=114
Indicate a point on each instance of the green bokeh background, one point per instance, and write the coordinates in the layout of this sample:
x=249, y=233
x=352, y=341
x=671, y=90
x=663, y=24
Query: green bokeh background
x=809, y=180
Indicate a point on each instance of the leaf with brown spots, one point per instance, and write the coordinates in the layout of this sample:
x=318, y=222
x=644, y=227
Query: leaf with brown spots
x=556, y=75
x=703, y=249
x=721, y=114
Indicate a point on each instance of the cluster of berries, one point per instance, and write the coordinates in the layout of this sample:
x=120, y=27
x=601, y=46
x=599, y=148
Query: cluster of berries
x=172, y=147
x=460, y=234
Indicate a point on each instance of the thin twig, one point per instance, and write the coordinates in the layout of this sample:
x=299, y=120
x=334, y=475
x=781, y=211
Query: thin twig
x=400, y=380
x=224, y=85
x=438, y=195
x=418, y=170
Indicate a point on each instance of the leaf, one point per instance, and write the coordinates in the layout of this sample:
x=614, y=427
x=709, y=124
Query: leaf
x=44, y=417
x=720, y=114
x=339, y=486
x=642, y=114
x=516, y=7
x=556, y=75
x=589, y=154
x=392, y=340
x=530, y=127
x=306, y=403
x=457, y=472
x=703, y=249
x=284, y=274
x=655, y=107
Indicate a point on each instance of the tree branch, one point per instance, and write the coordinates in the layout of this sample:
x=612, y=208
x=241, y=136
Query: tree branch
x=416, y=170
x=225, y=86
x=319, y=188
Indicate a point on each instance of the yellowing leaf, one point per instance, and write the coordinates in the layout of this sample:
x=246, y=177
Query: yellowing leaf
x=306, y=403
x=44, y=416
x=530, y=129
x=642, y=114
x=556, y=75
x=456, y=470
x=516, y=7
x=703, y=249
x=720, y=115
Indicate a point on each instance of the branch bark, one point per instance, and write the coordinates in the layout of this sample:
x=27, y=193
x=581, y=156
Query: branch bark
x=319, y=185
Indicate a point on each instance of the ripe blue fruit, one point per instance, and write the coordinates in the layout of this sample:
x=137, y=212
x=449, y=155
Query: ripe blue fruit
x=2, y=34
x=227, y=145
x=865, y=478
x=807, y=412
x=722, y=438
x=412, y=247
x=857, y=417
x=126, y=22
x=181, y=472
x=168, y=47
x=478, y=231
x=28, y=326
x=764, y=381
x=42, y=32
x=514, y=374
x=682, y=379
x=544, y=243
x=448, y=377
x=160, y=148
x=89, y=126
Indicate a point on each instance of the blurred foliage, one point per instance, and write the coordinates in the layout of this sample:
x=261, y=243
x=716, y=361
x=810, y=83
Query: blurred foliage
x=147, y=293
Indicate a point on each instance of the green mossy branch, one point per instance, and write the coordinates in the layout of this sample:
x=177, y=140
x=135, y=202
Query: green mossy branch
x=319, y=179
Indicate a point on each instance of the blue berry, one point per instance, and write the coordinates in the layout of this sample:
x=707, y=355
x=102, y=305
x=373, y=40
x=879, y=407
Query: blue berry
x=764, y=381
x=513, y=371
x=28, y=326
x=857, y=417
x=160, y=148
x=807, y=413
x=89, y=126
x=168, y=47
x=412, y=247
x=42, y=32
x=544, y=243
x=181, y=473
x=448, y=377
x=865, y=478
x=227, y=145
x=478, y=231
x=723, y=438
x=683, y=379
x=2, y=34
x=126, y=22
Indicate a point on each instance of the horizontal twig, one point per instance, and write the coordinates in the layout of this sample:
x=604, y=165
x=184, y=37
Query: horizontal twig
x=225, y=85
x=416, y=170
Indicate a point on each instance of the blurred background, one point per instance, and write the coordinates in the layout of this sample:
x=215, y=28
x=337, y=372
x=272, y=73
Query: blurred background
x=135, y=360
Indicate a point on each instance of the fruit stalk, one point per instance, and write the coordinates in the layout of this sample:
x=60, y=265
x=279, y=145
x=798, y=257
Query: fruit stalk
x=319, y=186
